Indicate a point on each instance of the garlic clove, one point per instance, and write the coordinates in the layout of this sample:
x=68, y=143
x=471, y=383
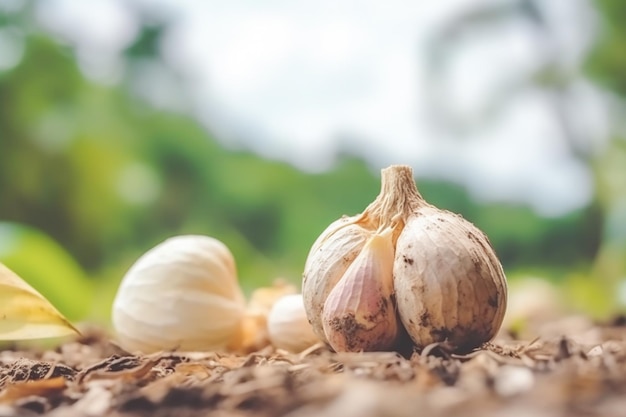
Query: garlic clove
x=328, y=260
x=449, y=284
x=287, y=325
x=359, y=313
x=182, y=294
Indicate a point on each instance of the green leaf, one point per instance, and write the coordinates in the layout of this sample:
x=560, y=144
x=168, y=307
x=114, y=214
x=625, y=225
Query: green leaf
x=47, y=266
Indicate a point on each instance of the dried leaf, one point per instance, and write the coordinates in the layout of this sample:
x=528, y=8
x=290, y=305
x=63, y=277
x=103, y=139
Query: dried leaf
x=25, y=313
x=40, y=387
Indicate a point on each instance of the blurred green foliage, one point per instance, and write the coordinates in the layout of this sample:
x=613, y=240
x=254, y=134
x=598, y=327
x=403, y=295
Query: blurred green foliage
x=607, y=61
x=40, y=258
x=92, y=171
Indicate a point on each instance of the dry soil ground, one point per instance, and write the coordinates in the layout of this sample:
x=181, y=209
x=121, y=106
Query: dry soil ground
x=575, y=368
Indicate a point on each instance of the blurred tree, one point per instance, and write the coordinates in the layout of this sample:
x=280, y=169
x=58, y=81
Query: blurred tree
x=108, y=175
x=606, y=64
x=598, y=235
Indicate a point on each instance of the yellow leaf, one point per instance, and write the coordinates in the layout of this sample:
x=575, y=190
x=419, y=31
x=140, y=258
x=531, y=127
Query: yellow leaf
x=26, y=314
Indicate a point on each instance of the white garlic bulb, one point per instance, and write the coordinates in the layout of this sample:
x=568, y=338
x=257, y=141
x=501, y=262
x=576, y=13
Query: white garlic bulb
x=403, y=266
x=254, y=335
x=183, y=294
x=287, y=325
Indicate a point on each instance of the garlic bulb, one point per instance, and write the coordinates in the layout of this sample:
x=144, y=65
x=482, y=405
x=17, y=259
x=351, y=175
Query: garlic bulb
x=287, y=325
x=182, y=294
x=403, y=265
x=254, y=335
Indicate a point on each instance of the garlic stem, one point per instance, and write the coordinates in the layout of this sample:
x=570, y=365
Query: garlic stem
x=397, y=201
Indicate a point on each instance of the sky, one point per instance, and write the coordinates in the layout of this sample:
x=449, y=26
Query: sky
x=394, y=82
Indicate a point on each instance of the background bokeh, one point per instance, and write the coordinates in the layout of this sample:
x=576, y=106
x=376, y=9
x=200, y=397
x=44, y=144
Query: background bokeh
x=125, y=122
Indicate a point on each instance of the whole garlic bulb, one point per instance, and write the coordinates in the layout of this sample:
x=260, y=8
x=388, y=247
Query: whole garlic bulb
x=255, y=335
x=287, y=325
x=182, y=294
x=403, y=265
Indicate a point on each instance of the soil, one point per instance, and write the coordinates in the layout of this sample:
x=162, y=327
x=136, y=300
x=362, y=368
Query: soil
x=574, y=368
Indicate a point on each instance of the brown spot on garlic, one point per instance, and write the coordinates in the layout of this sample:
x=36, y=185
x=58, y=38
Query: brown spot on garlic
x=445, y=275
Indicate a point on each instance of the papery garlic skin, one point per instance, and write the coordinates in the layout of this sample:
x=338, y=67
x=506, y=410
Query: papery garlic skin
x=329, y=258
x=449, y=283
x=183, y=294
x=287, y=325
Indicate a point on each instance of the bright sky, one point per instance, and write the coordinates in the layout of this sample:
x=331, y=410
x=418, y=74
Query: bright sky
x=298, y=81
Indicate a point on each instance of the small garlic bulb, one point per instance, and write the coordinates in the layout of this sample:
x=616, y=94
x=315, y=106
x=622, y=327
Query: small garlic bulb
x=287, y=325
x=403, y=265
x=182, y=294
x=254, y=335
